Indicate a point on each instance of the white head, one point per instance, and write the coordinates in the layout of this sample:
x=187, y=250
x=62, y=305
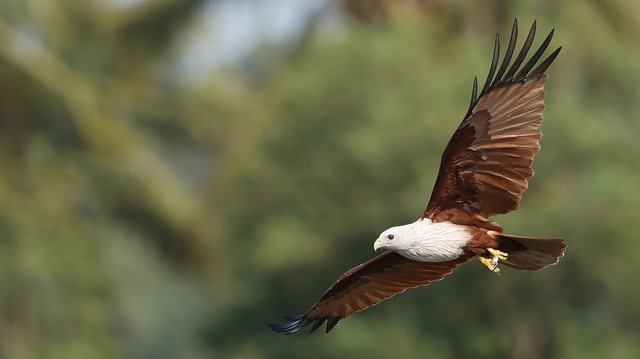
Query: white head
x=396, y=238
x=426, y=241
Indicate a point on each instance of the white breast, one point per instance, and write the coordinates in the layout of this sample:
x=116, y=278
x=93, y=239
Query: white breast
x=426, y=241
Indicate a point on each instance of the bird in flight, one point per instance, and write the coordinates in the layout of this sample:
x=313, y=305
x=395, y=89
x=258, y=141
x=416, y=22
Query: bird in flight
x=483, y=172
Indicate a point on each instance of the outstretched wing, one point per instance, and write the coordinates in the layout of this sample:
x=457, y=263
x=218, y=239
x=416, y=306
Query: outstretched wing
x=366, y=285
x=485, y=166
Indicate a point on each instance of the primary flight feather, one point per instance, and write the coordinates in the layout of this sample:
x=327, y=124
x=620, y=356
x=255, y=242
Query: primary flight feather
x=483, y=172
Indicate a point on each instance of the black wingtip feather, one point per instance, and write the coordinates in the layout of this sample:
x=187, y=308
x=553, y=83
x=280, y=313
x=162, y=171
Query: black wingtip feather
x=331, y=322
x=521, y=55
x=534, y=59
x=292, y=324
x=494, y=64
x=546, y=63
x=474, y=92
x=316, y=325
x=515, y=73
x=507, y=55
x=292, y=318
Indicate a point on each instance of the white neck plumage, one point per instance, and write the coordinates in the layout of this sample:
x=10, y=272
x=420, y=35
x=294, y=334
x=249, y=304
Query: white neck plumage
x=426, y=241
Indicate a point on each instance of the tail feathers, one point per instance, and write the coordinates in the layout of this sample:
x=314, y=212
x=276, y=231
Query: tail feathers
x=531, y=253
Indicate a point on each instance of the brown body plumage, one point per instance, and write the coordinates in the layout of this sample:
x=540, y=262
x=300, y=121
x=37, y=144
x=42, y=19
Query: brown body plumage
x=484, y=171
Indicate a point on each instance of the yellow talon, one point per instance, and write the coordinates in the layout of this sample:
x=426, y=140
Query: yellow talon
x=496, y=253
x=490, y=263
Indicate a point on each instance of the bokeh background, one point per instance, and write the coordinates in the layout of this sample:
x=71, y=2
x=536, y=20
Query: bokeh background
x=174, y=174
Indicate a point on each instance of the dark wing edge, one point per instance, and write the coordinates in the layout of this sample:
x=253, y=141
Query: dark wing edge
x=367, y=285
x=501, y=79
x=449, y=182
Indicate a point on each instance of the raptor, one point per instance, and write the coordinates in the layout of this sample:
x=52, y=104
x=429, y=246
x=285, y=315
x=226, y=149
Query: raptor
x=484, y=170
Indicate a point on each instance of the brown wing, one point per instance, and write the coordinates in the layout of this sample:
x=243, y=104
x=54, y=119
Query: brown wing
x=485, y=166
x=366, y=285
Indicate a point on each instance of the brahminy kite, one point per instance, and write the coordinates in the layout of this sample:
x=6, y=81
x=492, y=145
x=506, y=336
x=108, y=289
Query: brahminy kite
x=483, y=172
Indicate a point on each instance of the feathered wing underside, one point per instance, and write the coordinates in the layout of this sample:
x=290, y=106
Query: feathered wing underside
x=486, y=165
x=366, y=285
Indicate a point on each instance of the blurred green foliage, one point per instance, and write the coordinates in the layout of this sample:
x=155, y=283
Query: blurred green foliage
x=149, y=216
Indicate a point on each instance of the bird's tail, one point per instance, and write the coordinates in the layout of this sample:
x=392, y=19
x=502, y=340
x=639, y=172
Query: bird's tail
x=530, y=253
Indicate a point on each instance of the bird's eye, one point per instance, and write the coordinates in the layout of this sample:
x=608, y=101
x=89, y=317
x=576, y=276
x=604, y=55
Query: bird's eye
x=390, y=236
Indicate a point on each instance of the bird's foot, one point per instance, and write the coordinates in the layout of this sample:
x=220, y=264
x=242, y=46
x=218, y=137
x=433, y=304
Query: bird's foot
x=492, y=263
x=489, y=263
x=496, y=253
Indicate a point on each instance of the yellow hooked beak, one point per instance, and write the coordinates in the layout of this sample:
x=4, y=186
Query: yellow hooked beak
x=377, y=244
